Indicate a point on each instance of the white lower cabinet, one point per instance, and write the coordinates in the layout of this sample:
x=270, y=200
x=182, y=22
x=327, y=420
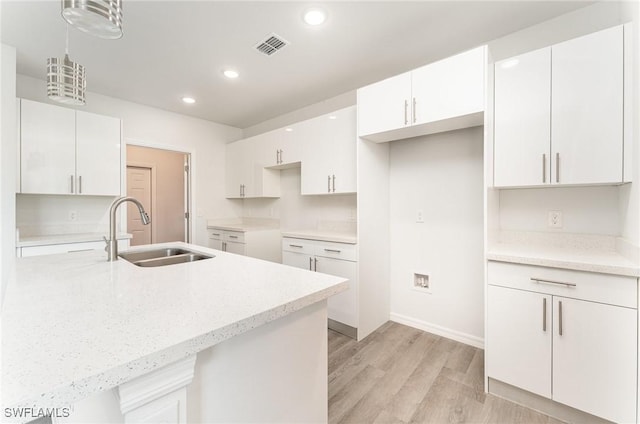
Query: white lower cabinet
x=339, y=259
x=50, y=249
x=261, y=244
x=565, y=335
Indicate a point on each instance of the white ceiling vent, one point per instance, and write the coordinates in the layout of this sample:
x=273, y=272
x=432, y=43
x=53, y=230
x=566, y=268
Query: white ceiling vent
x=271, y=44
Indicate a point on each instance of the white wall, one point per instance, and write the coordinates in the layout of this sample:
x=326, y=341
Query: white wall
x=298, y=212
x=8, y=163
x=441, y=175
x=204, y=139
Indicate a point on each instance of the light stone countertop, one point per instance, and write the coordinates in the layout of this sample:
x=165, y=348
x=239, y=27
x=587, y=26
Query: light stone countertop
x=74, y=324
x=591, y=260
x=44, y=240
x=243, y=224
x=322, y=235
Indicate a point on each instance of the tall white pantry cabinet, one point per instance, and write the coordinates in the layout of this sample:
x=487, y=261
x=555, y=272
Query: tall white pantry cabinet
x=561, y=337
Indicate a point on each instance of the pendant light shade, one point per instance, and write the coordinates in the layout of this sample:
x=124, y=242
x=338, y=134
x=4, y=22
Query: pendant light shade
x=66, y=81
x=102, y=18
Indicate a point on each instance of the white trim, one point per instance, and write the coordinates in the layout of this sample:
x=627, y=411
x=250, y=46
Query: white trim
x=192, y=170
x=438, y=330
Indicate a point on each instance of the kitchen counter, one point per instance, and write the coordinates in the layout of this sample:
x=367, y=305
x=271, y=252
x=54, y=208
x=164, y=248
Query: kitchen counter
x=322, y=235
x=45, y=240
x=74, y=324
x=591, y=260
x=243, y=224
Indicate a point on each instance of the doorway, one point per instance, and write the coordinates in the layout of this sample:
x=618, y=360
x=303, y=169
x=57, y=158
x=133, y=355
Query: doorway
x=160, y=180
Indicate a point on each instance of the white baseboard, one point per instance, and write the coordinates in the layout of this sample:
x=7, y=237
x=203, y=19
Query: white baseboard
x=439, y=330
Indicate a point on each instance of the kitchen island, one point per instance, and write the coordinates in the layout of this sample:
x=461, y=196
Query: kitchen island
x=85, y=334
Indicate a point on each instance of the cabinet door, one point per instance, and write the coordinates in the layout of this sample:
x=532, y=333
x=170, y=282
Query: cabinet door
x=385, y=105
x=594, y=359
x=234, y=247
x=235, y=172
x=519, y=339
x=342, y=307
x=215, y=243
x=47, y=149
x=291, y=141
x=298, y=260
x=315, y=172
x=97, y=154
x=449, y=88
x=587, y=108
x=342, y=125
x=522, y=120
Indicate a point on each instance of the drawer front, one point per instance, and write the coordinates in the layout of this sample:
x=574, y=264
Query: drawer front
x=346, y=252
x=68, y=248
x=604, y=288
x=235, y=236
x=215, y=234
x=298, y=246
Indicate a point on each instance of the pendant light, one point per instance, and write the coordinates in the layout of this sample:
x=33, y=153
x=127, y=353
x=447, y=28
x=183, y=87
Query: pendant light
x=66, y=81
x=101, y=18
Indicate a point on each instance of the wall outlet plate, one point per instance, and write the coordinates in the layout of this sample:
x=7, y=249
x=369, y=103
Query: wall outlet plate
x=73, y=216
x=554, y=219
x=420, y=216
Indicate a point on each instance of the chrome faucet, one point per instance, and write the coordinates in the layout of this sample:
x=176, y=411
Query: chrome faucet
x=112, y=243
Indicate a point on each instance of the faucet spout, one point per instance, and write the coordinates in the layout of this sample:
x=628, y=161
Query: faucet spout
x=112, y=243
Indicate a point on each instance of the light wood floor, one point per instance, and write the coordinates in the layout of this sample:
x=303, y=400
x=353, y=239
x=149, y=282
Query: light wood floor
x=402, y=375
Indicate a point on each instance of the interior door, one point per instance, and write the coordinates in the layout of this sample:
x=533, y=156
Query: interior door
x=139, y=186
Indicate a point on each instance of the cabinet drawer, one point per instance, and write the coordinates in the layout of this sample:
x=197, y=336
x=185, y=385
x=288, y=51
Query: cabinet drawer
x=298, y=246
x=604, y=288
x=215, y=234
x=235, y=236
x=346, y=252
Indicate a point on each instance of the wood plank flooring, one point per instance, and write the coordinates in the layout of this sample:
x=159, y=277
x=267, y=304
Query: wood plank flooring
x=401, y=375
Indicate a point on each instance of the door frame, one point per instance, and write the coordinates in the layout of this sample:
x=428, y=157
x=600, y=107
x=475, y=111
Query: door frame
x=191, y=158
x=153, y=191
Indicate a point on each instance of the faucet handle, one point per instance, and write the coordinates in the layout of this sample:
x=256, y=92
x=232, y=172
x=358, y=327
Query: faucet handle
x=106, y=241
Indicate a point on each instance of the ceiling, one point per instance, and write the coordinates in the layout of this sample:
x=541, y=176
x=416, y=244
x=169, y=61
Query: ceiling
x=172, y=49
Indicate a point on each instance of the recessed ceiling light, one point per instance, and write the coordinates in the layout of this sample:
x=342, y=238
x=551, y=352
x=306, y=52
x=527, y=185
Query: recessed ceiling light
x=189, y=100
x=231, y=74
x=315, y=16
x=288, y=129
x=333, y=117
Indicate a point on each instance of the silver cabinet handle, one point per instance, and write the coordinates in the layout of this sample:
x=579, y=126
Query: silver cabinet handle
x=72, y=188
x=562, y=283
x=214, y=234
x=544, y=168
x=80, y=184
x=334, y=183
x=413, y=111
x=296, y=245
x=544, y=314
x=281, y=156
x=332, y=250
x=224, y=246
x=560, y=317
x=406, y=106
x=557, y=167
x=233, y=237
x=310, y=260
x=315, y=264
x=277, y=156
x=328, y=183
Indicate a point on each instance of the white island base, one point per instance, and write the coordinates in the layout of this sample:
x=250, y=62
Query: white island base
x=274, y=373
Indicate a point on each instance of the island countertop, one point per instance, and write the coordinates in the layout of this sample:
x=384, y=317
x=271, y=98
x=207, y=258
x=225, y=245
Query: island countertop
x=74, y=324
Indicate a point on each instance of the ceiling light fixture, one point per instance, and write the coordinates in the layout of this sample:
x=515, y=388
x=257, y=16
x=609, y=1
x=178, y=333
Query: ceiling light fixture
x=66, y=82
x=333, y=117
x=288, y=129
x=101, y=18
x=189, y=100
x=315, y=17
x=231, y=74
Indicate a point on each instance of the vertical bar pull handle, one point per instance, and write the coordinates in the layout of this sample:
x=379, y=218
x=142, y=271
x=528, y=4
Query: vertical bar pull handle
x=281, y=156
x=406, y=106
x=334, y=183
x=413, y=110
x=315, y=264
x=328, y=183
x=72, y=188
x=544, y=168
x=560, y=317
x=80, y=184
x=310, y=261
x=544, y=314
x=557, y=167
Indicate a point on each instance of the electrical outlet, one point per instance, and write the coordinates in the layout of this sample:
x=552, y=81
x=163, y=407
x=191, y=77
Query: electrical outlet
x=420, y=216
x=73, y=216
x=554, y=219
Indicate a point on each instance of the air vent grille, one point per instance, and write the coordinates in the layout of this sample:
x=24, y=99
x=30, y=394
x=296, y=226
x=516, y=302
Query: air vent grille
x=271, y=44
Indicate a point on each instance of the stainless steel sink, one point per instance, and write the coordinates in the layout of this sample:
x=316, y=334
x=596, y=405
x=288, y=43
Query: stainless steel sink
x=162, y=257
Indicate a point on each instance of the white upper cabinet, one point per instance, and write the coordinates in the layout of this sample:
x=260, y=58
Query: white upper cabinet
x=246, y=175
x=587, y=108
x=329, y=161
x=442, y=96
x=63, y=151
x=523, y=119
x=97, y=152
x=282, y=148
x=559, y=114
